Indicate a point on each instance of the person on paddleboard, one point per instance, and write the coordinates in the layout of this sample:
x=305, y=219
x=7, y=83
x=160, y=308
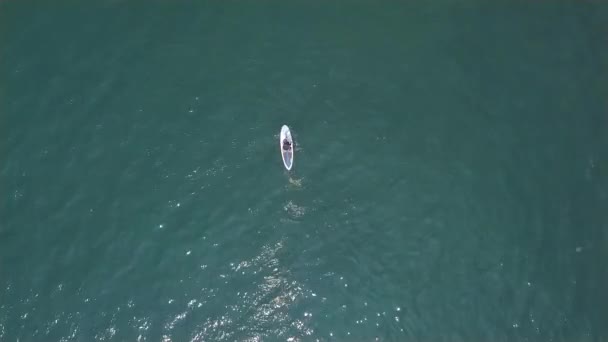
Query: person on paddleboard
x=286, y=145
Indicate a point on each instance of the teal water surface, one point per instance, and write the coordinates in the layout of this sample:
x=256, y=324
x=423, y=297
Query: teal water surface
x=450, y=179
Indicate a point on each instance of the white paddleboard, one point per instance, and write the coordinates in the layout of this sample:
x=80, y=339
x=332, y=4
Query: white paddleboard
x=287, y=155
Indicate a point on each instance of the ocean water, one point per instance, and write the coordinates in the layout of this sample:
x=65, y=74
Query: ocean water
x=450, y=177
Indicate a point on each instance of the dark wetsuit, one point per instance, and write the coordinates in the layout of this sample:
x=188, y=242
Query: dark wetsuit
x=286, y=145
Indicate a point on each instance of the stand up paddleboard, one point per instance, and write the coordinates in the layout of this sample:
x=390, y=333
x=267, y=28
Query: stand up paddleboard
x=287, y=155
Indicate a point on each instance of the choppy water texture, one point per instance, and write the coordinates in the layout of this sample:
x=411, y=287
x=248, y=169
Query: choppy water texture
x=450, y=180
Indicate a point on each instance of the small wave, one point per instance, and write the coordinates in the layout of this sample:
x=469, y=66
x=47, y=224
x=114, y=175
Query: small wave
x=296, y=182
x=295, y=211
